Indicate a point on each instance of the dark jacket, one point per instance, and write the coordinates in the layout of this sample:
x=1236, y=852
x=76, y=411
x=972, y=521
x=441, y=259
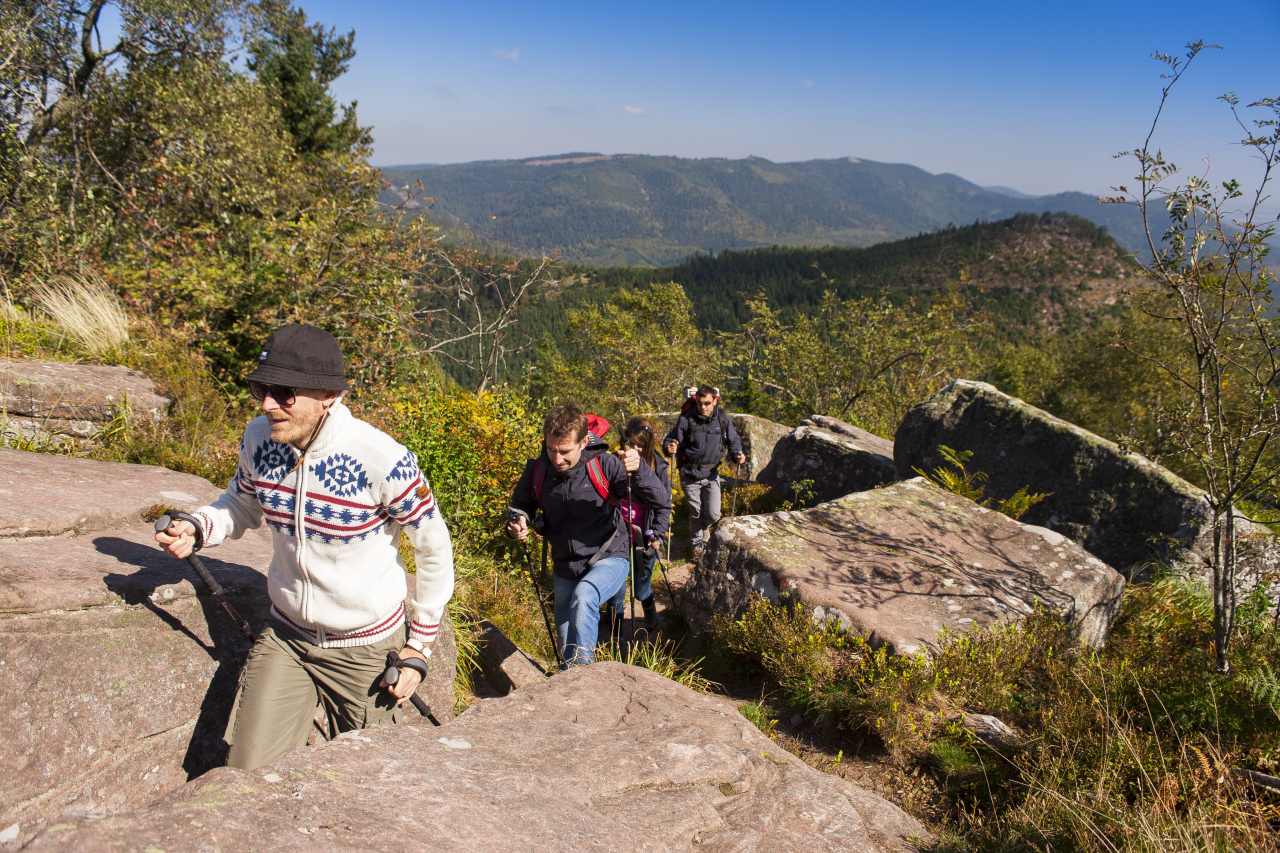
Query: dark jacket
x=702, y=443
x=576, y=521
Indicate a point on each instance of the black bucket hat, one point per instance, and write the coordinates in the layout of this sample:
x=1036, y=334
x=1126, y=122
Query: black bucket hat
x=302, y=356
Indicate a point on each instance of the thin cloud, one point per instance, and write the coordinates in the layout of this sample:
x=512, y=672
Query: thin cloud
x=634, y=110
x=512, y=55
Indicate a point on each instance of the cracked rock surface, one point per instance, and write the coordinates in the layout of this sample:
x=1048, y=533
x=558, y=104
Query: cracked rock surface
x=116, y=677
x=901, y=563
x=603, y=757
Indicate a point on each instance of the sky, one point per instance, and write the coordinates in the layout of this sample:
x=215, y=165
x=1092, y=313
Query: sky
x=1035, y=96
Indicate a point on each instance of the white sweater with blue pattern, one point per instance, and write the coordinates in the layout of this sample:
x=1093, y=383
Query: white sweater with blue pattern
x=342, y=581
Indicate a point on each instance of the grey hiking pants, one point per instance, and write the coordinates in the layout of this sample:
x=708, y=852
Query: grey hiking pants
x=283, y=680
x=703, y=499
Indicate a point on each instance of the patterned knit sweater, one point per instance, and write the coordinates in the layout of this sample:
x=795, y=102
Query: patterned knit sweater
x=352, y=494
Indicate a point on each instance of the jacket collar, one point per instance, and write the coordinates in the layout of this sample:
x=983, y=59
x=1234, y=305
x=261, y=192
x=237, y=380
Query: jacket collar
x=335, y=424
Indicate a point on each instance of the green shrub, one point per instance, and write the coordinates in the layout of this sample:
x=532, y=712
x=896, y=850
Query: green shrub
x=758, y=715
x=1126, y=748
x=472, y=448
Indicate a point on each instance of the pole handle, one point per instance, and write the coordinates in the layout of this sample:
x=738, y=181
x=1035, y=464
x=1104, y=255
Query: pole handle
x=202, y=571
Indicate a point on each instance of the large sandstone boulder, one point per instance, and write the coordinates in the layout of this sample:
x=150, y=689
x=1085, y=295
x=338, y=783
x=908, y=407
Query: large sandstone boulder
x=604, y=757
x=901, y=564
x=835, y=457
x=1119, y=505
x=116, y=678
x=55, y=399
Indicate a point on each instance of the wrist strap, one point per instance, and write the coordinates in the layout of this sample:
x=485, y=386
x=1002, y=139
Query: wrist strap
x=194, y=522
x=418, y=665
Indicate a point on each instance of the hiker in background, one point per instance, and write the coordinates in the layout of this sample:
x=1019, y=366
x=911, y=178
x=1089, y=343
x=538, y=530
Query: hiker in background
x=336, y=583
x=577, y=484
x=649, y=524
x=701, y=436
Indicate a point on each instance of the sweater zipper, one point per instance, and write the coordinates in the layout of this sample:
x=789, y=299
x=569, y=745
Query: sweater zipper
x=300, y=529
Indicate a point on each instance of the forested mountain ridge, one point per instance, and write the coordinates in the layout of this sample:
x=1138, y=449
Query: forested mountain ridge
x=646, y=210
x=1032, y=274
x=1030, y=268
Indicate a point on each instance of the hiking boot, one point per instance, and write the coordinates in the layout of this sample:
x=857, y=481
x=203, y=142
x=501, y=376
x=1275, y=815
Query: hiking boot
x=699, y=548
x=650, y=613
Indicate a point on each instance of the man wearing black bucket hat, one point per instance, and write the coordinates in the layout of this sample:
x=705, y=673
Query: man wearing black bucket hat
x=336, y=493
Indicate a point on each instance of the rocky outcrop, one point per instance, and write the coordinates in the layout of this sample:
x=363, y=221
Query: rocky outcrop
x=505, y=666
x=760, y=438
x=833, y=457
x=901, y=564
x=1119, y=505
x=116, y=678
x=596, y=758
x=45, y=399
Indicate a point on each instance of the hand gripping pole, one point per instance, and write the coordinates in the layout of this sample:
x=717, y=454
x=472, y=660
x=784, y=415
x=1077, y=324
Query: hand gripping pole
x=215, y=588
x=392, y=674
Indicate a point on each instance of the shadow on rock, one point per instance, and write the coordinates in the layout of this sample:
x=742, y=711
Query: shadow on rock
x=155, y=579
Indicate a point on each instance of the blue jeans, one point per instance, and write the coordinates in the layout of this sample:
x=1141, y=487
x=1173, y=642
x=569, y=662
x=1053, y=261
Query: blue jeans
x=578, y=607
x=644, y=580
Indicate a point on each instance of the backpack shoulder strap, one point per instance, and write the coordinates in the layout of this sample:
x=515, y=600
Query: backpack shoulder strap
x=539, y=477
x=595, y=473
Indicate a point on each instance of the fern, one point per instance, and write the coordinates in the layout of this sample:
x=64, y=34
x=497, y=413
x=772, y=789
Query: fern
x=1263, y=683
x=955, y=476
x=1016, y=505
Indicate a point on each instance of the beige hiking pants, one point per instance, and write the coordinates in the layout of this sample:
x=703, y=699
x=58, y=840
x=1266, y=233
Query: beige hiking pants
x=283, y=680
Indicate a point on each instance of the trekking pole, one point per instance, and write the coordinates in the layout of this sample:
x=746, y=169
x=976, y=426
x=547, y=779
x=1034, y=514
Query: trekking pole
x=737, y=482
x=542, y=604
x=392, y=674
x=671, y=477
x=215, y=588
x=631, y=560
x=514, y=514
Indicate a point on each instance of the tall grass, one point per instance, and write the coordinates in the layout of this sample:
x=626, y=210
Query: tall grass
x=661, y=656
x=87, y=313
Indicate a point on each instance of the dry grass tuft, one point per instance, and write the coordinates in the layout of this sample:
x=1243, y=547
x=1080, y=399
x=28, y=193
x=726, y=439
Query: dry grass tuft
x=87, y=312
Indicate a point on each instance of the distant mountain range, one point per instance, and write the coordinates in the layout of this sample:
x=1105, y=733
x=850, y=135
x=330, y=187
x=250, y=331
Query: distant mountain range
x=633, y=209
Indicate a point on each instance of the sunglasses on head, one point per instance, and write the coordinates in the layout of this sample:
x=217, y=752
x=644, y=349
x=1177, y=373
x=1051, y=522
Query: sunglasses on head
x=282, y=394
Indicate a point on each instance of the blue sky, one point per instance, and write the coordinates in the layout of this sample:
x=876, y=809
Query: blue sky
x=1037, y=96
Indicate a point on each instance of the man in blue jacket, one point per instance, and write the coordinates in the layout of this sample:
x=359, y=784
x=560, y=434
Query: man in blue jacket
x=699, y=439
x=576, y=483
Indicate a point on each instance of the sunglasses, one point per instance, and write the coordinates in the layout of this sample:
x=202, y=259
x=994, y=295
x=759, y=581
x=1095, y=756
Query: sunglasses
x=282, y=394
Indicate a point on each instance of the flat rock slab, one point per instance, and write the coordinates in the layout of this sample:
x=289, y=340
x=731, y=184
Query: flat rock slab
x=1120, y=506
x=116, y=679
x=901, y=564
x=588, y=760
x=71, y=572
x=105, y=709
x=834, y=457
x=48, y=495
x=56, y=397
